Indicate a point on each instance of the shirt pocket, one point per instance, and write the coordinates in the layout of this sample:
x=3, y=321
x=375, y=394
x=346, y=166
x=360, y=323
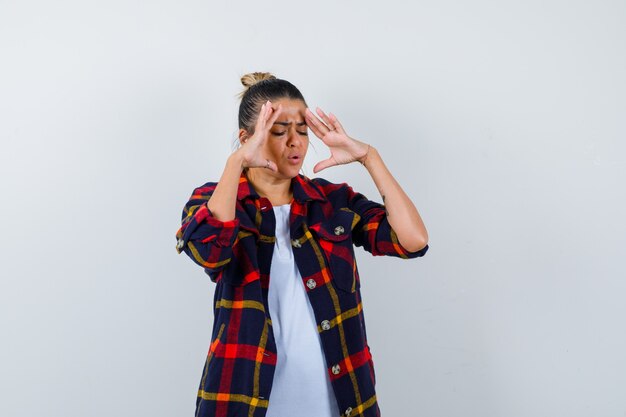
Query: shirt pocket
x=334, y=236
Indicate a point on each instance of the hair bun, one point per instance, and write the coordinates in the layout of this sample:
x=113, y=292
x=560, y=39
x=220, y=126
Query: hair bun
x=250, y=79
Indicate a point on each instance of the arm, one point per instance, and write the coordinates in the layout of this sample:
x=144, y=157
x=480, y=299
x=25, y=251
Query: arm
x=250, y=154
x=400, y=210
x=209, y=224
x=224, y=199
x=205, y=239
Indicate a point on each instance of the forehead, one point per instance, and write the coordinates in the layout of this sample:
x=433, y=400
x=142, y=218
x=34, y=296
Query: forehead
x=291, y=109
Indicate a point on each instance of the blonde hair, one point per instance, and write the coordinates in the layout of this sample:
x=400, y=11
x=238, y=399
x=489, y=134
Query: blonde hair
x=258, y=88
x=252, y=78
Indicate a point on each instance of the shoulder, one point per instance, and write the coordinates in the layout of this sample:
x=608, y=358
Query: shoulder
x=338, y=195
x=204, y=190
x=328, y=189
x=200, y=195
x=342, y=195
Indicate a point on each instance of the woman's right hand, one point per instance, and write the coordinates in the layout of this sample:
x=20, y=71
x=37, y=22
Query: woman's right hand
x=252, y=148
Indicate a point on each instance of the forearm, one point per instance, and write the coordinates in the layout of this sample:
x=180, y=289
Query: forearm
x=224, y=198
x=401, y=212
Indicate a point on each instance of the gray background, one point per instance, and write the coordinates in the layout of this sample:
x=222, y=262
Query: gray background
x=504, y=121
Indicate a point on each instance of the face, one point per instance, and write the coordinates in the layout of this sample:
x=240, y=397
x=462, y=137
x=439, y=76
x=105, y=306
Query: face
x=288, y=140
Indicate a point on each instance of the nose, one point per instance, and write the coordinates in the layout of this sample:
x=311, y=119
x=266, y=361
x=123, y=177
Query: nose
x=294, y=138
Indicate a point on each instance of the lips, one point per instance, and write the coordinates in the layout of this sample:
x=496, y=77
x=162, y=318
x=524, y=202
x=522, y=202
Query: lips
x=294, y=159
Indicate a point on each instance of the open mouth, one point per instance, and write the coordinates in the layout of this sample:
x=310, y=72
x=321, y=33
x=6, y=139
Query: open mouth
x=294, y=159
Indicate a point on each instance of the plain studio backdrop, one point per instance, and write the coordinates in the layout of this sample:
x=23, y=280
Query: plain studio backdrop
x=504, y=122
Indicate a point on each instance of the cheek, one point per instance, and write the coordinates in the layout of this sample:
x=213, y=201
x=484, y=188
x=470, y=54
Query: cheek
x=275, y=147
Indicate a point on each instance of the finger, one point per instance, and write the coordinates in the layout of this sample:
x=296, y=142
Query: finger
x=264, y=114
x=260, y=121
x=326, y=163
x=324, y=117
x=264, y=164
x=272, y=166
x=315, y=124
x=314, y=129
x=335, y=123
x=309, y=114
x=275, y=115
x=268, y=112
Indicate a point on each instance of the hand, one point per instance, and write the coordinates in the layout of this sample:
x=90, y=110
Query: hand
x=251, y=149
x=343, y=148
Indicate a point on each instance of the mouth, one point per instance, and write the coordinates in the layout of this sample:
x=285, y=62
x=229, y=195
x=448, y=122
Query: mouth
x=294, y=159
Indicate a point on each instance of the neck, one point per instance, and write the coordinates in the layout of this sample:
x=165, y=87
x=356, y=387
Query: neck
x=277, y=190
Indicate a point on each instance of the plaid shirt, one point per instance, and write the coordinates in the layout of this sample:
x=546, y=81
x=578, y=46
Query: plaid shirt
x=326, y=222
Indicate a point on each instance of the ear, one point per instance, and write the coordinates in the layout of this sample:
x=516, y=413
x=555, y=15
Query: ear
x=243, y=136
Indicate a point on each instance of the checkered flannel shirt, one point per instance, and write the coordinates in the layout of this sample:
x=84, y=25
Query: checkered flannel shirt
x=327, y=220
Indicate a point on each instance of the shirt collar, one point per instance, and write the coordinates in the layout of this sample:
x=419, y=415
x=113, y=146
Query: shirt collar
x=303, y=189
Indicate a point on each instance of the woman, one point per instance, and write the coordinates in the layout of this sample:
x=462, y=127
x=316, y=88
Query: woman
x=288, y=317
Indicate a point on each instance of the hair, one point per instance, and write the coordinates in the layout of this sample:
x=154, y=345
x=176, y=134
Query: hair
x=258, y=88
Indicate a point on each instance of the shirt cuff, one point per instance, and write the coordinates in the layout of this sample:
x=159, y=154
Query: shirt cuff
x=402, y=251
x=206, y=228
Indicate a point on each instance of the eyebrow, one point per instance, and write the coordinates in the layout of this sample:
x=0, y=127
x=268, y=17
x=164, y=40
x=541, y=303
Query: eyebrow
x=288, y=123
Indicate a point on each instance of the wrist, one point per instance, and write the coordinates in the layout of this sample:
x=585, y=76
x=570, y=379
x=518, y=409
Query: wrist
x=363, y=159
x=236, y=159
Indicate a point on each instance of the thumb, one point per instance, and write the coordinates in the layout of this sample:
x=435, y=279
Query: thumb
x=326, y=163
x=269, y=164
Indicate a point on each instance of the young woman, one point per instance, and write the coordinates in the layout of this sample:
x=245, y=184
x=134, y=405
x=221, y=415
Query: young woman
x=289, y=333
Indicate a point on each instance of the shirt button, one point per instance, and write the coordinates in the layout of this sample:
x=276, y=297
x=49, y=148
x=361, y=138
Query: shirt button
x=336, y=369
x=339, y=230
x=348, y=411
x=311, y=283
x=296, y=243
x=180, y=244
x=325, y=325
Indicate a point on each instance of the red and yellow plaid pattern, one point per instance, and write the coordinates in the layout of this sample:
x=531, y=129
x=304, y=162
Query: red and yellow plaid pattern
x=327, y=220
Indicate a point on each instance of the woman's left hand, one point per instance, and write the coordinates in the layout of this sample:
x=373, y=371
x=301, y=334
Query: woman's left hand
x=343, y=148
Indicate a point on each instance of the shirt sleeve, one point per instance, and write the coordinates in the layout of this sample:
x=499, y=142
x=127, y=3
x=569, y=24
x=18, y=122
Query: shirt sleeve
x=205, y=239
x=373, y=231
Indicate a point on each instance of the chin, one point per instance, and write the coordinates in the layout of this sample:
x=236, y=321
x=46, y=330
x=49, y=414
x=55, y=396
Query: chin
x=290, y=172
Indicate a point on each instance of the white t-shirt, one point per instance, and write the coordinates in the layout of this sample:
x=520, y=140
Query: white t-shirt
x=301, y=383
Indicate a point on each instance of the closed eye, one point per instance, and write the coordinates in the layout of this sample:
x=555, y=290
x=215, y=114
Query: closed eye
x=305, y=133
